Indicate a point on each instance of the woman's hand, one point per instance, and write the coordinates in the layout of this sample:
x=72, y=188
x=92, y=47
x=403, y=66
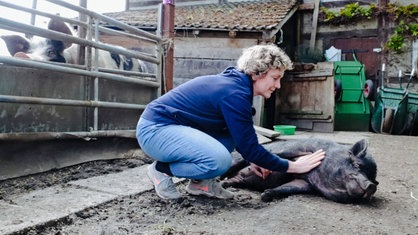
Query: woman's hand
x=259, y=171
x=306, y=163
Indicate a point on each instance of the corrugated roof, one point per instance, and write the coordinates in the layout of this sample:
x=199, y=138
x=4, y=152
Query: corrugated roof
x=240, y=16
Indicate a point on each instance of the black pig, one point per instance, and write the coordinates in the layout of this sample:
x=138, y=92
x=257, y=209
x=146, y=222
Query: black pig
x=346, y=174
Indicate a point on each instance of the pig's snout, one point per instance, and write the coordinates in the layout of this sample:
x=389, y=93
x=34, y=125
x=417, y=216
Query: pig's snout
x=21, y=55
x=360, y=187
x=369, y=190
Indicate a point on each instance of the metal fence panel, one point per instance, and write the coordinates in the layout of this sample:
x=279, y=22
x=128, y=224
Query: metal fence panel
x=49, y=97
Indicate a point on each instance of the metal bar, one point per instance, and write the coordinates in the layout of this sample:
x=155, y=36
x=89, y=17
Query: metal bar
x=68, y=102
x=38, y=136
x=33, y=16
x=41, y=13
x=41, y=65
x=411, y=76
x=117, y=32
x=146, y=79
x=147, y=76
x=24, y=28
x=383, y=75
x=81, y=59
x=107, y=19
x=160, y=49
x=96, y=79
x=72, y=21
x=134, y=30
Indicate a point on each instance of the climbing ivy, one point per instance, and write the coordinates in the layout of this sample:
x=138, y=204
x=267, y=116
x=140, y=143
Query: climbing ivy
x=402, y=31
x=405, y=16
x=407, y=28
x=349, y=13
x=407, y=13
x=396, y=43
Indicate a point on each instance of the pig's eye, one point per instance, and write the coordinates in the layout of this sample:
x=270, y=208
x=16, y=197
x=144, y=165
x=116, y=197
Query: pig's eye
x=355, y=163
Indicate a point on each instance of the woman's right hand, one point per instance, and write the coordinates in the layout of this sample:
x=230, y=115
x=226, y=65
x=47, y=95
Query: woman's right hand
x=306, y=163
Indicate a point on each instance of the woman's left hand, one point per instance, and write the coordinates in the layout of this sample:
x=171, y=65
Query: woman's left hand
x=259, y=171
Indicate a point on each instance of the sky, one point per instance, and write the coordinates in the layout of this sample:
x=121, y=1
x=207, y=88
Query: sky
x=100, y=6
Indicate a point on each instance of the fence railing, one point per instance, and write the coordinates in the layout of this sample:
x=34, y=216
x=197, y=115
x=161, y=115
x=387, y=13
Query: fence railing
x=91, y=29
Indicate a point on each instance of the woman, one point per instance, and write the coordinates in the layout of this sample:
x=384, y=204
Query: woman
x=192, y=130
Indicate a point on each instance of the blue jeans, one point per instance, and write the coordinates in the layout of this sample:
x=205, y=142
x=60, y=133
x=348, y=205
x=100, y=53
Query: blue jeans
x=191, y=153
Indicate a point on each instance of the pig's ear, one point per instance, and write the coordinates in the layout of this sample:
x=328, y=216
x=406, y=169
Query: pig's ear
x=60, y=26
x=359, y=148
x=16, y=43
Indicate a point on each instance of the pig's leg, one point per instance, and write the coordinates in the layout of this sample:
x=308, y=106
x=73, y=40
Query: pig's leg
x=296, y=186
x=241, y=180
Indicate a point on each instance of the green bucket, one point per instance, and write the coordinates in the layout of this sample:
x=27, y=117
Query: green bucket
x=285, y=129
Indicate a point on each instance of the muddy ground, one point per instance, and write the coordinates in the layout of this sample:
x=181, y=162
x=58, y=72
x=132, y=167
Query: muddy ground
x=392, y=210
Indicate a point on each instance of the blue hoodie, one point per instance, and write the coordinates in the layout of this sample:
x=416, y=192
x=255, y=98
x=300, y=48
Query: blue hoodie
x=217, y=103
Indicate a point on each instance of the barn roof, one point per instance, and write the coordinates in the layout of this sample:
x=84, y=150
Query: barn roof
x=240, y=16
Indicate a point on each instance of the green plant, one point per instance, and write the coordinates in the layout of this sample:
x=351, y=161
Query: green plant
x=408, y=13
x=402, y=31
x=405, y=16
x=348, y=13
x=396, y=43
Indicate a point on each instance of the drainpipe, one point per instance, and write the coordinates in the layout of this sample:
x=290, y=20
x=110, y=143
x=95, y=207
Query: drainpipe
x=167, y=34
x=382, y=35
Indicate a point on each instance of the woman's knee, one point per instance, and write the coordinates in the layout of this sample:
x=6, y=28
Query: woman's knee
x=220, y=164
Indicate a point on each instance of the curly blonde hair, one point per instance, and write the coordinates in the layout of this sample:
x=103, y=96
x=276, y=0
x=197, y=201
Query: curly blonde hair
x=260, y=58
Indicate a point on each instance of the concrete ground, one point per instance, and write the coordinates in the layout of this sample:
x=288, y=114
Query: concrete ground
x=56, y=202
x=50, y=204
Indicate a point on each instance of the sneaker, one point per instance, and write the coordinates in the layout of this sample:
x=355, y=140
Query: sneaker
x=163, y=183
x=208, y=187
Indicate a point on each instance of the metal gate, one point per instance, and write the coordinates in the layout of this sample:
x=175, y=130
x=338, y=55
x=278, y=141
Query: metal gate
x=46, y=100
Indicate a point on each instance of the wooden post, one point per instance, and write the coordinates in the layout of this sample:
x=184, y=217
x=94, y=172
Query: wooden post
x=314, y=25
x=167, y=32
